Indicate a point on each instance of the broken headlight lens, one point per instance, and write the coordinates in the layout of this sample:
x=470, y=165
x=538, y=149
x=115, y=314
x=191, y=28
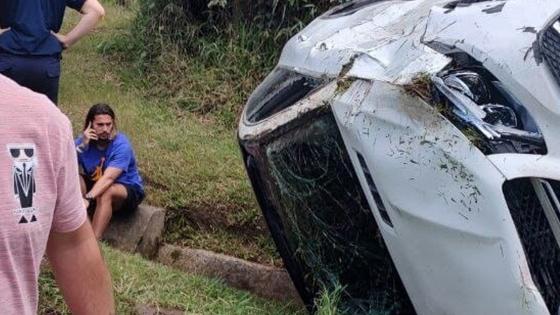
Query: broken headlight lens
x=479, y=102
x=280, y=90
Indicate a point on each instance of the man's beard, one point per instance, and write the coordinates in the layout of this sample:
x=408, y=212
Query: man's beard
x=101, y=142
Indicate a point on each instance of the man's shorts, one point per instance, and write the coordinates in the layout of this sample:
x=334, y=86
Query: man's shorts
x=132, y=201
x=129, y=205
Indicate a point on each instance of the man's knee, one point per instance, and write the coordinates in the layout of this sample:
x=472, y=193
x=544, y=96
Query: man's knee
x=112, y=193
x=106, y=196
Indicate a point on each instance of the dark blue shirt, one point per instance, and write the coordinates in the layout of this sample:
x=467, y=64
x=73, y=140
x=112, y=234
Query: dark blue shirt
x=118, y=154
x=31, y=23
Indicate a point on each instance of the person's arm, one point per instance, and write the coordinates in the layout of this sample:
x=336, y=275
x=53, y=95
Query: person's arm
x=3, y=30
x=80, y=271
x=92, y=12
x=109, y=176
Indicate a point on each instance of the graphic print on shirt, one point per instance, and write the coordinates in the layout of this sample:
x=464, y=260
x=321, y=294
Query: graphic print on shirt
x=24, y=166
x=96, y=175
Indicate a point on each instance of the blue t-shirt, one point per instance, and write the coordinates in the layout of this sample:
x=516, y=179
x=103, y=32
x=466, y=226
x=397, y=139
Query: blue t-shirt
x=118, y=154
x=31, y=23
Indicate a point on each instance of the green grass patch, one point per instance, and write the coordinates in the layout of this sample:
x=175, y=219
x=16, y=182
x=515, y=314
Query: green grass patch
x=137, y=281
x=328, y=301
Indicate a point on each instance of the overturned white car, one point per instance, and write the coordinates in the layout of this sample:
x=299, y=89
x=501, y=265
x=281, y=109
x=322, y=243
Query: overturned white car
x=410, y=152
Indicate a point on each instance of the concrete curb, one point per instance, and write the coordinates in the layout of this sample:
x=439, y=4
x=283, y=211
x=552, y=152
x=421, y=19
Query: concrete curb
x=141, y=233
x=138, y=233
x=265, y=281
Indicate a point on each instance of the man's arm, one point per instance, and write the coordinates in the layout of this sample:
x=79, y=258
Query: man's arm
x=80, y=271
x=92, y=13
x=109, y=176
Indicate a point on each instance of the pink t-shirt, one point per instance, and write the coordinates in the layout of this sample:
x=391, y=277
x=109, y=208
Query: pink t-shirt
x=39, y=190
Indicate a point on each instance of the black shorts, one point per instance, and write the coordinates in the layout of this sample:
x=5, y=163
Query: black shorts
x=129, y=205
x=132, y=201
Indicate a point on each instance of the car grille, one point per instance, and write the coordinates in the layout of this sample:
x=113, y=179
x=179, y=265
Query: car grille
x=533, y=204
x=550, y=48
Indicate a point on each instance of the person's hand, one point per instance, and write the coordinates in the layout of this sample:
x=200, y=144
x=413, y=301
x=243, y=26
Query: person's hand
x=89, y=134
x=3, y=30
x=62, y=39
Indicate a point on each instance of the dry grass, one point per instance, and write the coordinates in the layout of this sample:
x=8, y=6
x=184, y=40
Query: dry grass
x=421, y=86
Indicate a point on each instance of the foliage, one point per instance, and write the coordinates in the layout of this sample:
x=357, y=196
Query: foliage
x=206, y=56
x=278, y=17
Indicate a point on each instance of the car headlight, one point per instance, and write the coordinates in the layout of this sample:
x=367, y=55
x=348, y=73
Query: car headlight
x=281, y=89
x=474, y=99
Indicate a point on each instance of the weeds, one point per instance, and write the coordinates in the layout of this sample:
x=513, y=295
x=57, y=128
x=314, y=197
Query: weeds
x=328, y=301
x=421, y=86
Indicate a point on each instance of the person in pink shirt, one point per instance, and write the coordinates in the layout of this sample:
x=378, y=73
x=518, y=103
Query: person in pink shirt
x=41, y=209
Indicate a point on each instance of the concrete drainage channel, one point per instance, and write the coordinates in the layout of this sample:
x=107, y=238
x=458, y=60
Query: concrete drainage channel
x=141, y=233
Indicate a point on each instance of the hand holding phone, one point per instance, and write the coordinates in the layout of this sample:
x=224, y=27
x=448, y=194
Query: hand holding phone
x=89, y=134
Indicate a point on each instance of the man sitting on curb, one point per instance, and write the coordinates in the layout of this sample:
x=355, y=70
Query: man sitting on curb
x=110, y=181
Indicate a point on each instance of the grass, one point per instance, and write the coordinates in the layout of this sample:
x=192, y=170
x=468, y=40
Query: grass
x=328, y=301
x=137, y=281
x=190, y=162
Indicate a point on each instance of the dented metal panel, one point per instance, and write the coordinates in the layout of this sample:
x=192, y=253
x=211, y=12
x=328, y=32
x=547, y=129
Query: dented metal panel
x=444, y=197
x=383, y=39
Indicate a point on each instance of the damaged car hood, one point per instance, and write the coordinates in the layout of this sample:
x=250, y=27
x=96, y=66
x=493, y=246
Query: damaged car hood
x=373, y=43
x=392, y=40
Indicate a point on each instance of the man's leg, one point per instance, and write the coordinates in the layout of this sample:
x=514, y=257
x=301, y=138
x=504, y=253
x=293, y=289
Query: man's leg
x=111, y=199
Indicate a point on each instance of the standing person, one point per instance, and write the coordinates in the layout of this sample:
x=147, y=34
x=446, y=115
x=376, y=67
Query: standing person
x=30, y=42
x=41, y=209
x=110, y=180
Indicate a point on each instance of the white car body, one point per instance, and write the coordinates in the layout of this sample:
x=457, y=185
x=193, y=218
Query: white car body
x=452, y=236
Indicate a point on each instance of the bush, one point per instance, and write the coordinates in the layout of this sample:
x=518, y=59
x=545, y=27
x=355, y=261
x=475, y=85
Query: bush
x=187, y=22
x=220, y=48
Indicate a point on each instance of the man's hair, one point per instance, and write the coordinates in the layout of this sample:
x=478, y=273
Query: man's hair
x=101, y=109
